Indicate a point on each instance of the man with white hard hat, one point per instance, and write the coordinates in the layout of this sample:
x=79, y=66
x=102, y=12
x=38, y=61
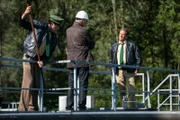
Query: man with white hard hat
x=82, y=15
x=79, y=44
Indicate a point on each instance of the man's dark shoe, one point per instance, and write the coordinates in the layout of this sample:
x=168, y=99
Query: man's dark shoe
x=69, y=108
x=81, y=108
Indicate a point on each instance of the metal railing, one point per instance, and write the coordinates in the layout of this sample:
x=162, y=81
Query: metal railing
x=113, y=95
x=168, y=101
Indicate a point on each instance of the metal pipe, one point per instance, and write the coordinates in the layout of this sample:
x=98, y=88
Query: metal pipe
x=75, y=86
x=113, y=88
x=148, y=88
x=170, y=92
x=179, y=91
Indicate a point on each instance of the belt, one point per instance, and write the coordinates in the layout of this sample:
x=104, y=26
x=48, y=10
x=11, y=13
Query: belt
x=122, y=68
x=27, y=56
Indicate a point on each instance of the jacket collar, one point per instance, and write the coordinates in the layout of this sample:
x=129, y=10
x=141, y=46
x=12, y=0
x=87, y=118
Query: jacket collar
x=76, y=24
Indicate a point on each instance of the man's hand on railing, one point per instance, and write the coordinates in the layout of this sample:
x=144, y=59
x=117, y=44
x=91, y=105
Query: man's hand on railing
x=41, y=64
x=135, y=72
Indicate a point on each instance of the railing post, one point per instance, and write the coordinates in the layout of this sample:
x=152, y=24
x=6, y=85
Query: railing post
x=143, y=87
x=75, y=86
x=148, y=88
x=113, y=88
x=158, y=107
x=179, y=91
x=170, y=92
x=41, y=94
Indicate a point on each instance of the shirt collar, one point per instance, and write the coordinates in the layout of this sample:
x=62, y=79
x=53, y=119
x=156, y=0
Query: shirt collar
x=122, y=42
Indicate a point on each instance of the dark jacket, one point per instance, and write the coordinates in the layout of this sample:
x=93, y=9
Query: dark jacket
x=133, y=55
x=42, y=33
x=79, y=44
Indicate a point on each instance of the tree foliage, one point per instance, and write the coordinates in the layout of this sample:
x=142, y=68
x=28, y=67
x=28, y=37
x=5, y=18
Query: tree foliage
x=154, y=25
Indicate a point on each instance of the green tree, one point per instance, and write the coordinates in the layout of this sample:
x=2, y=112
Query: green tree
x=154, y=26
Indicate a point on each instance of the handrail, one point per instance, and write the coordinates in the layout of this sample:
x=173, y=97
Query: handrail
x=93, y=63
x=161, y=84
x=114, y=91
x=163, y=102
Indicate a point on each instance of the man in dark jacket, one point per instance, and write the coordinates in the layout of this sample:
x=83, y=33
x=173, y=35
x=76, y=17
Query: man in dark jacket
x=46, y=43
x=125, y=52
x=79, y=44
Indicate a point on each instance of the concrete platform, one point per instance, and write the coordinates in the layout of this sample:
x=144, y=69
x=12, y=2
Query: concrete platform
x=91, y=115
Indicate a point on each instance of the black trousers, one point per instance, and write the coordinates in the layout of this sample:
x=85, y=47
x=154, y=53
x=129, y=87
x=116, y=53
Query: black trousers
x=83, y=74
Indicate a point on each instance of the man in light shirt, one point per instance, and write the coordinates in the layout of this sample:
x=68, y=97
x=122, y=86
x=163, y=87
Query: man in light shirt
x=126, y=52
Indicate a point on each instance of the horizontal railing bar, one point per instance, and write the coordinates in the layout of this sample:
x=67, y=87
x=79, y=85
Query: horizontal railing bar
x=9, y=89
x=95, y=63
x=54, y=89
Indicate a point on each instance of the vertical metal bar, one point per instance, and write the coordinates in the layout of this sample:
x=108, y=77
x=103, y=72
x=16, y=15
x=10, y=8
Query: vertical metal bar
x=148, y=88
x=143, y=87
x=78, y=88
x=170, y=92
x=158, y=100
x=179, y=91
x=75, y=86
x=113, y=88
x=41, y=94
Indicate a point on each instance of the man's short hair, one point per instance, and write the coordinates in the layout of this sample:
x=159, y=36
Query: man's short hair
x=125, y=29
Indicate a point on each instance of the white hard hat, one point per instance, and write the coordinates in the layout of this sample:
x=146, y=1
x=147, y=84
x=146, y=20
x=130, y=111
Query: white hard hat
x=82, y=15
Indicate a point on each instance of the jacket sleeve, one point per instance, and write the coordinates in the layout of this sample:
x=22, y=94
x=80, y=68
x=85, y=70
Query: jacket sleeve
x=113, y=53
x=138, y=56
x=25, y=24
